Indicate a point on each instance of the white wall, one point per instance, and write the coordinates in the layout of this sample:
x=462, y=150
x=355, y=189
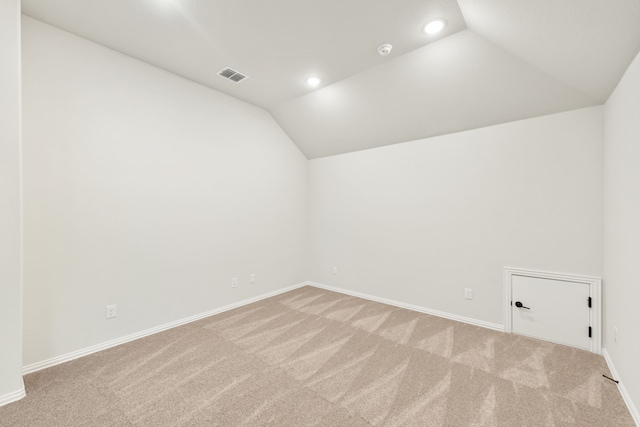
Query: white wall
x=418, y=222
x=622, y=229
x=10, y=203
x=148, y=191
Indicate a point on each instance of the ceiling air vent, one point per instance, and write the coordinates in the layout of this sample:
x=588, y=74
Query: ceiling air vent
x=231, y=74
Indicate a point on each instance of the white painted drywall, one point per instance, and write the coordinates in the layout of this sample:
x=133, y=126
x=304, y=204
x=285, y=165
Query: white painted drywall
x=10, y=203
x=621, y=285
x=418, y=222
x=148, y=191
x=461, y=82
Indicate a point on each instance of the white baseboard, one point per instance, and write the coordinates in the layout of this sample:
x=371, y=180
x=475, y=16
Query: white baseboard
x=623, y=391
x=103, y=346
x=118, y=341
x=476, y=322
x=12, y=397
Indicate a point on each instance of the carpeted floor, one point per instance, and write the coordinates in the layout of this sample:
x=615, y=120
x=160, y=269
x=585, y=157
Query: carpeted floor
x=311, y=357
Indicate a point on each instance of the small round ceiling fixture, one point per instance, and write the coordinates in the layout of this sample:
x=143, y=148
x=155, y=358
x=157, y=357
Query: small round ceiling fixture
x=385, y=49
x=313, y=81
x=434, y=26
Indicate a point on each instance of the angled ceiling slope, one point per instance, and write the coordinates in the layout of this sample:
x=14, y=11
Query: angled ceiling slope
x=496, y=61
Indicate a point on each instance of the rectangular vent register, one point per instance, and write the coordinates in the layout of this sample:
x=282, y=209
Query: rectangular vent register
x=233, y=75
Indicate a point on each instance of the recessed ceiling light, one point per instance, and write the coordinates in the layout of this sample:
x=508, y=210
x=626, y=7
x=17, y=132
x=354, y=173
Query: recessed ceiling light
x=313, y=81
x=434, y=26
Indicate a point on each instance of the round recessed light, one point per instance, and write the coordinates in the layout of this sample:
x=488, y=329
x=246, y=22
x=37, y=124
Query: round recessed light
x=434, y=26
x=313, y=81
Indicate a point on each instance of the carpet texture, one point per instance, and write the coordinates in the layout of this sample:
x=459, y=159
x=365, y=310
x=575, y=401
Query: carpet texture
x=311, y=357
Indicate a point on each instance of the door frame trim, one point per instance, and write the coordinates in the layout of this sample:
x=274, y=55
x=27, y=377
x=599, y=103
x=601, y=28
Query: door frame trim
x=595, y=285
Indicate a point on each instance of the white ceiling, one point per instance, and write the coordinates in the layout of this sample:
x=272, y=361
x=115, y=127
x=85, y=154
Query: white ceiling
x=496, y=61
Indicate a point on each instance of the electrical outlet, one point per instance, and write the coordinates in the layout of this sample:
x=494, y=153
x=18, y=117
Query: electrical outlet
x=111, y=311
x=252, y=278
x=234, y=282
x=615, y=334
x=468, y=293
x=335, y=270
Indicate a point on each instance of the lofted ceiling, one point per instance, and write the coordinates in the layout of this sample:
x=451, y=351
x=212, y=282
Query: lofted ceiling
x=496, y=61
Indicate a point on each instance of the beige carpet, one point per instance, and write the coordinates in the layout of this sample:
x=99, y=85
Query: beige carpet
x=316, y=358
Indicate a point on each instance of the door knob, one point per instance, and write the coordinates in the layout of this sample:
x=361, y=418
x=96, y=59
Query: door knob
x=519, y=305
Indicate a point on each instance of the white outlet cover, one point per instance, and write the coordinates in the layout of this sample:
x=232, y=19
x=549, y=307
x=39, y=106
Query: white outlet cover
x=468, y=293
x=111, y=311
x=234, y=282
x=252, y=278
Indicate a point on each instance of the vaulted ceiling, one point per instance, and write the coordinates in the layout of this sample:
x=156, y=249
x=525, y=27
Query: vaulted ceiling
x=496, y=61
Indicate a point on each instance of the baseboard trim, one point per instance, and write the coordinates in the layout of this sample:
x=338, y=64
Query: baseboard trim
x=623, y=391
x=13, y=396
x=27, y=369
x=127, y=338
x=476, y=322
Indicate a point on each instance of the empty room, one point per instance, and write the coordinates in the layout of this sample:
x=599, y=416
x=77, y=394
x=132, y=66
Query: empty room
x=329, y=213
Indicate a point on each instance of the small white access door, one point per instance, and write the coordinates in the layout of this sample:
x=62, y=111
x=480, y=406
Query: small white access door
x=552, y=307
